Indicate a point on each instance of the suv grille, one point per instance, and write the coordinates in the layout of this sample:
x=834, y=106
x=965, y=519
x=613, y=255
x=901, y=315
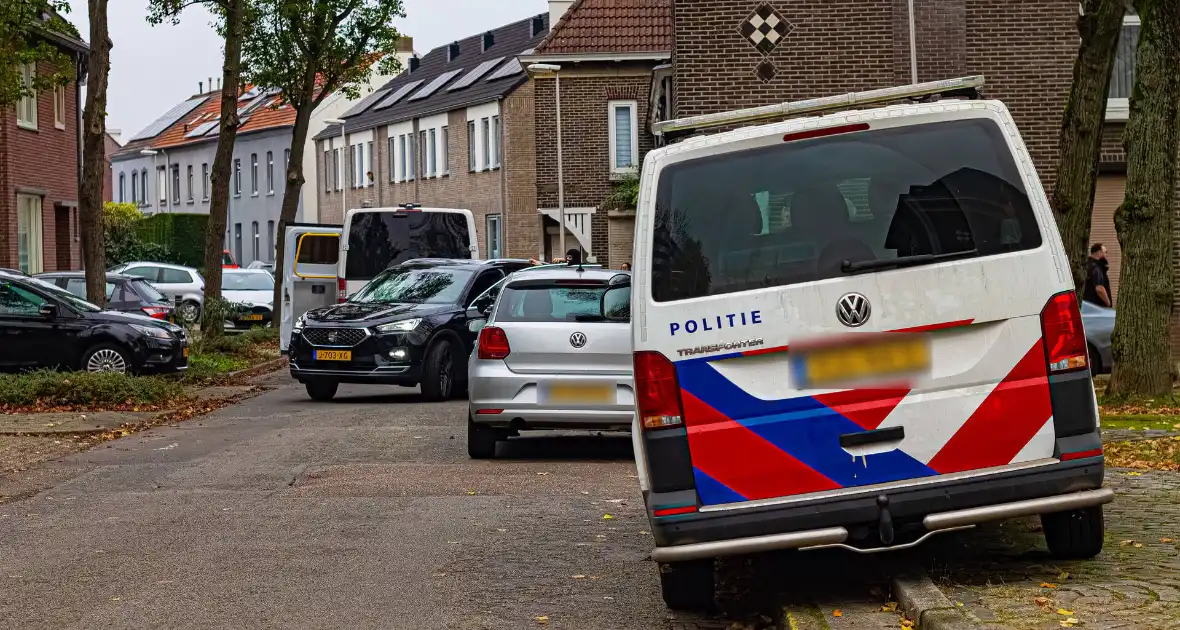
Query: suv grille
x=342, y=337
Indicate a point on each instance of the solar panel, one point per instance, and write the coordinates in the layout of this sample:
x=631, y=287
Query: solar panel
x=202, y=129
x=169, y=118
x=474, y=75
x=398, y=95
x=364, y=103
x=433, y=86
x=512, y=68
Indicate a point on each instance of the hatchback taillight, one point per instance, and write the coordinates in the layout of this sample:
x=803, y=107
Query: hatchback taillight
x=657, y=391
x=341, y=290
x=157, y=312
x=1061, y=328
x=493, y=343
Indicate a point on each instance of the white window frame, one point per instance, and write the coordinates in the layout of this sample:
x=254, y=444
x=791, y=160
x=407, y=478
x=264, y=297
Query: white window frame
x=135, y=187
x=369, y=166
x=189, y=175
x=205, y=181
x=30, y=219
x=496, y=141
x=444, y=139
x=237, y=177
x=59, y=107
x=432, y=152
x=482, y=140
x=611, y=106
x=1119, y=109
x=498, y=222
x=270, y=172
x=253, y=174
x=26, y=107
x=327, y=168
x=122, y=187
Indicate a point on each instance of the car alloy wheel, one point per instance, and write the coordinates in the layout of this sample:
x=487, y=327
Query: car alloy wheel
x=106, y=360
x=444, y=375
x=188, y=311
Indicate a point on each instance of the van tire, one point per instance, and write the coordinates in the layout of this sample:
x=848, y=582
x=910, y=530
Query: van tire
x=322, y=391
x=687, y=585
x=438, y=372
x=481, y=440
x=1074, y=535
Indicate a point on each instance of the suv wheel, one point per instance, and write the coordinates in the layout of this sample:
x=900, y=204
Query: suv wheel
x=106, y=358
x=322, y=391
x=481, y=440
x=1075, y=535
x=687, y=585
x=438, y=372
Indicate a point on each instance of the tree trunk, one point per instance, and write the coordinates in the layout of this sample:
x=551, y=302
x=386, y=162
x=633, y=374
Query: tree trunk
x=1139, y=343
x=231, y=73
x=291, y=192
x=94, y=154
x=1081, y=129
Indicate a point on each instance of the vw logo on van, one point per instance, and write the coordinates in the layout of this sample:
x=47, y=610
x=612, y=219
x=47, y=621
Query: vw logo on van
x=578, y=340
x=853, y=310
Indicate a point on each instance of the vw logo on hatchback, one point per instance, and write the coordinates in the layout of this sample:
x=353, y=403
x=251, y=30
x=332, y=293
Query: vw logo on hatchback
x=577, y=340
x=853, y=310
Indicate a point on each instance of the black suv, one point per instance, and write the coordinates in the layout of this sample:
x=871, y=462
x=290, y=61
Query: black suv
x=45, y=326
x=408, y=326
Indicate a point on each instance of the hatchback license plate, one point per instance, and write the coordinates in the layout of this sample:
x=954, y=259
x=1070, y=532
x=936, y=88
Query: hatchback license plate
x=252, y=318
x=580, y=394
x=819, y=367
x=333, y=355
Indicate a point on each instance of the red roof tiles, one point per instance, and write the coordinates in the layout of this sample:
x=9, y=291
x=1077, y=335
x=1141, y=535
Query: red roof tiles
x=606, y=26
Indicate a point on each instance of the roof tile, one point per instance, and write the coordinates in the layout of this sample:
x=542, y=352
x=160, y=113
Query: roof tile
x=605, y=26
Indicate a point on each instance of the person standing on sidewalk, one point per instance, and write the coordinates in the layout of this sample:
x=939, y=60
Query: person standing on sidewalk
x=1097, y=289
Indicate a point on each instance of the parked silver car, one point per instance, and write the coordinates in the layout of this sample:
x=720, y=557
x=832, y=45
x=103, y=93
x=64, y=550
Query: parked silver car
x=1098, y=322
x=183, y=286
x=554, y=353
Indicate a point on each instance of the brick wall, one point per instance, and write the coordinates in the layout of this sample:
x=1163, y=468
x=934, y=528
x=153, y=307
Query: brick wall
x=45, y=162
x=522, y=225
x=585, y=95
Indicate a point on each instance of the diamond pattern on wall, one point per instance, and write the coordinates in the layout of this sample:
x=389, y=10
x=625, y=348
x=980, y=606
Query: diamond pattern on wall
x=765, y=28
x=765, y=71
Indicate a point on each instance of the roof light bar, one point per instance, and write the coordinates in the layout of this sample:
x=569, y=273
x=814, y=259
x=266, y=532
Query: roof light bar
x=965, y=86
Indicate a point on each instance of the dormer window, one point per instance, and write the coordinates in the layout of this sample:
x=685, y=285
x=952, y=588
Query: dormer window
x=489, y=40
x=538, y=25
x=453, y=51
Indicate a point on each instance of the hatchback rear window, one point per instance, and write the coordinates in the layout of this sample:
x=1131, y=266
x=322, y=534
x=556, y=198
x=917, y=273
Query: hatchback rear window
x=557, y=304
x=147, y=291
x=823, y=208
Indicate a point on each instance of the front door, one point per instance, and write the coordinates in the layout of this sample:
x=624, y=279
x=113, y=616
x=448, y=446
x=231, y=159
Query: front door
x=26, y=338
x=308, y=274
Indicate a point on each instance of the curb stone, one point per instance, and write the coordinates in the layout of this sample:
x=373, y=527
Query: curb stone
x=923, y=602
x=261, y=368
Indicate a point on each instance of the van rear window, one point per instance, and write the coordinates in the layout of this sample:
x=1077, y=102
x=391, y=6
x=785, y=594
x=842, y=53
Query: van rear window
x=826, y=207
x=377, y=240
x=315, y=249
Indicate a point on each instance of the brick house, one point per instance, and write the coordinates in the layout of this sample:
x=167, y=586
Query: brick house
x=608, y=53
x=453, y=130
x=40, y=169
x=111, y=145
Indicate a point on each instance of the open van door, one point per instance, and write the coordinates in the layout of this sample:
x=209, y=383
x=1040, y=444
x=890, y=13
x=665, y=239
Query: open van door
x=309, y=272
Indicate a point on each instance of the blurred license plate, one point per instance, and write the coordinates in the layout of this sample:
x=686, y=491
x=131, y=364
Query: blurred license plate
x=826, y=366
x=252, y=318
x=333, y=355
x=580, y=394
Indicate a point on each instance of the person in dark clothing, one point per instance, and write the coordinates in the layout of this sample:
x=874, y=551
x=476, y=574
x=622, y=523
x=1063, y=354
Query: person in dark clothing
x=573, y=257
x=1097, y=289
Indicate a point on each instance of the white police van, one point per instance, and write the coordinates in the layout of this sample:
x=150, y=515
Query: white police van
x=855, y=329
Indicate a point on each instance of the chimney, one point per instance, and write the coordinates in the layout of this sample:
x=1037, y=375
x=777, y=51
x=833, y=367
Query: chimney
x=538, y=26
x=405, y=44
x=219, y=83
x=200, y=87
x=489, y=40
x=414, y=63
x=557, y=8
x=210, y=84
x=453, y=51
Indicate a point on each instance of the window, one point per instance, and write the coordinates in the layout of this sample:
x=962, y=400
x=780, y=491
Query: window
x=422, y=153
x=189, y=174
x=336, y=177
x=254, y=173
x=624, y=136
x=314, y=249
x=151, y=274
x=796, y=212
x=486, y=135
x=270, y=241
x=257, y=237
x=237, y=241
x=549, y=304
x=77, y=286
x=327, y=170
x=494, y=236
x=369, y=166
x=446, y=152
x=410, y=156
x=496, y=140
x=471, y=146
x=143, y=182
x=432, y=150
x=351, y=166
x=392, y=153
x=205, y=182
x=26, y=107
x=1122, y=80
x=59, y=107
x=173, y=276
x=123, y=188
x=29, y=243
x=16, y=300
x=286, y=162
x=270, y=173
x=175, y=183
x=162, y=185
x=237, y=176
x=134, y=186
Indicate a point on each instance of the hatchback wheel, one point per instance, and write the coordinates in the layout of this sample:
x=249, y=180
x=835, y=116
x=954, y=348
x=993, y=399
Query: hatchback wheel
x=438, y=372
x=322, y=391
x=1075, y=535
x=481, y=440
x=107, y=358
x=687, y=585
x=189, y=311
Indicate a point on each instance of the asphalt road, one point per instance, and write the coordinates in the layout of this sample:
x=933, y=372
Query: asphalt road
x=366, y=513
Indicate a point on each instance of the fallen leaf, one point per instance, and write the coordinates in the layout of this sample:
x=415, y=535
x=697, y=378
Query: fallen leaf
x=1069, y=623
x=501, y=530
x=1063, y=612
x=585, y=492
x=1041, y=601
x=1124, y=543
x=543, y=620
x=115, y=599
x=542, y=473
x=837, y=613
x=906, y=623
x=579, y=577
x=471, y=492
x=607, y=517
x=1167, y=540
x=1134, y=474
x=1063, y=576
x=1138, y=545
x=890, y=607
x=1048, y=585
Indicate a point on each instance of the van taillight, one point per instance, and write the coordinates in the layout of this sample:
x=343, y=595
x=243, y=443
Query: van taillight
x=493, y=343
x=657, y=391
x=341, y=290
x=1061, y=328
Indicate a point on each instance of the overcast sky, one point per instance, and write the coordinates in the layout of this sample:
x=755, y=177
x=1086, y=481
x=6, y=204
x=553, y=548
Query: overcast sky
x=156, y=67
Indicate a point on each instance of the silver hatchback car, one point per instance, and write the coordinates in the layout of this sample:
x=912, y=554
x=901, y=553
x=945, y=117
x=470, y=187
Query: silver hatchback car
x=554, y=353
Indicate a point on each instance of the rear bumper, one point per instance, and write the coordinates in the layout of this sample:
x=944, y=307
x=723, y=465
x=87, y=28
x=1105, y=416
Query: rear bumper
x=844, y=520
x=518, y=402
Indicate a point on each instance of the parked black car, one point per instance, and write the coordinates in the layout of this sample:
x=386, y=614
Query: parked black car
x=127, y=294
x=45, y=326
x=408, y=326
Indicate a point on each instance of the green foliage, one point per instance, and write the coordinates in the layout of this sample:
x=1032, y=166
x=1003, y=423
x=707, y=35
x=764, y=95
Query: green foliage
x=121, y=243
x=625, y=191
x=81, y=389
x=182, y=235
x=21, y=42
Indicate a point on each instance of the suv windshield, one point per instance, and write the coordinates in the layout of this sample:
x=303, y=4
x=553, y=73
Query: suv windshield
x=832, y=206
x=247, y=282
x=415, y=285
x=377, y=240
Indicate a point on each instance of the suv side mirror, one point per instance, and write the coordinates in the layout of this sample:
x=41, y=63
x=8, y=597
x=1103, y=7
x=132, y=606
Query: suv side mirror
x=476, y=319
x=48, y=311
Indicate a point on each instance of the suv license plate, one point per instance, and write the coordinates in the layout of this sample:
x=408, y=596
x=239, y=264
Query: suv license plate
x=580, y=394
x=333, y=355
x=252, y=318
x=838, y=365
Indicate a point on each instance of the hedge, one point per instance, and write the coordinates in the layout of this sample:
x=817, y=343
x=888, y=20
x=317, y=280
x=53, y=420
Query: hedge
x=181, y=234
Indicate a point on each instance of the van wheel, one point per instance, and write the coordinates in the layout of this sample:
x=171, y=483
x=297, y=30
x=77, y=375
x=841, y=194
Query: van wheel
x=687, y=585
x=438, y=372
x=481, y=440
x=1074, y=535
x=322, y=391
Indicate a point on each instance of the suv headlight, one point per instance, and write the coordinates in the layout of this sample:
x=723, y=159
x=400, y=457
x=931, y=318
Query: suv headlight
x=153, y=331
x=406, y=325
